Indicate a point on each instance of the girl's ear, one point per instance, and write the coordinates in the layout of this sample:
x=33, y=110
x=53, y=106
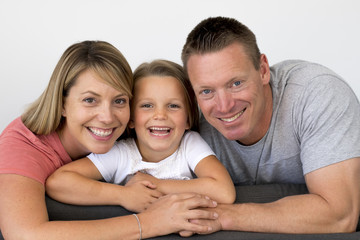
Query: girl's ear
x=187, y=125
x=131, y=124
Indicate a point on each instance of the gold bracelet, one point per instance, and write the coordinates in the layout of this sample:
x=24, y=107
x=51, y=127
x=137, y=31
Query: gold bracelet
x=137, y=219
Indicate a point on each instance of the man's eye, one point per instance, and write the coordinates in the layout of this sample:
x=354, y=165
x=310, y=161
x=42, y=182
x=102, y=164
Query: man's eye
x=205, y=91
x=89, y=100
x=237, y=83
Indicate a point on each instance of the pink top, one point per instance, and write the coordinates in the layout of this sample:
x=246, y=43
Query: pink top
x=24, y=153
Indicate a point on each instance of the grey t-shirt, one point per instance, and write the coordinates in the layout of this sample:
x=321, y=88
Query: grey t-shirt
x=315, y=123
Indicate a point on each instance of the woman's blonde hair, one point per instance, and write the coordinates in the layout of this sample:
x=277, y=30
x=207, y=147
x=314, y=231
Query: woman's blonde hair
x=170, y=69
x=44, y=115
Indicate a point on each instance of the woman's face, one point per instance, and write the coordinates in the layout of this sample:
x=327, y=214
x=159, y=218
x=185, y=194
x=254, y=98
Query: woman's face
x=95, y=114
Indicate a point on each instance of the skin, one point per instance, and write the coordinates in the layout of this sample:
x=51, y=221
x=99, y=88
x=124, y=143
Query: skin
x=226, y=83
x=160, y=119
x=22, y=200
x=96, y=115
x=159, y=103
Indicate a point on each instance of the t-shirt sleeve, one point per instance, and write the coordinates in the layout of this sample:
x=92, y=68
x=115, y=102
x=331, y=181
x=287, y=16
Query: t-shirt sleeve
x=112, y=165
x=18, y=157
x=195, y=148
x=329, y=123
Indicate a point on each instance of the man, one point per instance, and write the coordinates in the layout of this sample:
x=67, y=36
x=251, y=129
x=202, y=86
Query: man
x=294, y=122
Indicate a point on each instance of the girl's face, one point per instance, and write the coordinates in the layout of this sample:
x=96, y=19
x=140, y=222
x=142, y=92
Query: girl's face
x=159, y=116
x=95, y=114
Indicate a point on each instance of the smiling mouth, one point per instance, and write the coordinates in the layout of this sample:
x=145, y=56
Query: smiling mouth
x=101, y=132
x=233, y=118
x=159, y=131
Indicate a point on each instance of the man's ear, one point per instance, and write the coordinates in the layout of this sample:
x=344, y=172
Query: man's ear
x=264, y=69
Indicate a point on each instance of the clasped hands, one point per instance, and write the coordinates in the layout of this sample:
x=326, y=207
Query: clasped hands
x=189, y=213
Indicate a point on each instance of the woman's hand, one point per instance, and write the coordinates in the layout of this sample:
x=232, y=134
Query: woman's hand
x=173, y=213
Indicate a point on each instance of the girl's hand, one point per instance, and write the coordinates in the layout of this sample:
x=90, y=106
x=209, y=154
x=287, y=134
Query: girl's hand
x=140, y=177
x=139, y=195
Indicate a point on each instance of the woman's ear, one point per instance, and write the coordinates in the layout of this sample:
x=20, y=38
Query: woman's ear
x=63, y=113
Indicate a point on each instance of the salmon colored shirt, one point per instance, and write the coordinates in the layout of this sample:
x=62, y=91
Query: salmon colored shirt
x=24, y=153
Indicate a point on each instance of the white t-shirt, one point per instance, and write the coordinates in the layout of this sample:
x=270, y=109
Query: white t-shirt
x=124, y=160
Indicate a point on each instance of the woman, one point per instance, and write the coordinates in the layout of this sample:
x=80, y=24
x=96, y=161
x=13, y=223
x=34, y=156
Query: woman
x=84, y=109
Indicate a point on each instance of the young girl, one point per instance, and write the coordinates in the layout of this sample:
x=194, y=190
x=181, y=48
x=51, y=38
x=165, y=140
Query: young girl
x=163, y=154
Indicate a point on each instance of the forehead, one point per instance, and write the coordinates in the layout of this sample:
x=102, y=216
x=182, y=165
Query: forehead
x=154, y=85
x=230, y=62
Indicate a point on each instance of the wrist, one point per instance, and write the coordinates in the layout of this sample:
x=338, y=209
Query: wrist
x=139, y=224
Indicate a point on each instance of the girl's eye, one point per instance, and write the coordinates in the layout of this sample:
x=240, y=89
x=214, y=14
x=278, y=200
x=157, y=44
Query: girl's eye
x=174, y=106
x=89, y=100
x=146, y=105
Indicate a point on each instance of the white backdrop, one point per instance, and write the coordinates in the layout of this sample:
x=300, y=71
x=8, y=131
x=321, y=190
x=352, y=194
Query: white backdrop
x=33, y=35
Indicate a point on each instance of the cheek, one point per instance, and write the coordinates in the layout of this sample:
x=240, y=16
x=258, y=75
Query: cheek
x=205, y=106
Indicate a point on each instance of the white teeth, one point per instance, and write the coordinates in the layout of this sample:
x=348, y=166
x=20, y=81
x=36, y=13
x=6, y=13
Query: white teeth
x=160, y=134
x=101, y=132
x=159, y=129
x=232, y=118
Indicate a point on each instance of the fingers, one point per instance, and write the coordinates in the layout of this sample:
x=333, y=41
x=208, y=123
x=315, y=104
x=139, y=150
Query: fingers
x=148, y=184
x=202, y=214
x=186, y=233
x=191, y=228
x=198, y=201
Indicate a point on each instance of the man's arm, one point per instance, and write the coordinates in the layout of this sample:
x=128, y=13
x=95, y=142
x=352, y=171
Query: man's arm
x=332, y=205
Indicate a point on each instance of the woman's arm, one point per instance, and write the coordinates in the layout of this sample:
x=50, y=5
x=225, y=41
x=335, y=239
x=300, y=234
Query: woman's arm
x=78, y=183
x=212, y=180
x=24, y=216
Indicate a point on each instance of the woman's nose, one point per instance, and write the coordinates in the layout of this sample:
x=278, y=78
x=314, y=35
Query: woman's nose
x=106, y=114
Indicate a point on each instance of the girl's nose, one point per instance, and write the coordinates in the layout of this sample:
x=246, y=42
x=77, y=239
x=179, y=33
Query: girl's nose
x=160, y=114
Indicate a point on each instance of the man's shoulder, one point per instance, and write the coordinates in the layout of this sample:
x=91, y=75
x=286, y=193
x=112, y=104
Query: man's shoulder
x=302, y=68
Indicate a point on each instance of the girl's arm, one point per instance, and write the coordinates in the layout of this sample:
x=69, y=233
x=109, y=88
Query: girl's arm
x=212, y=180
x=78, y=183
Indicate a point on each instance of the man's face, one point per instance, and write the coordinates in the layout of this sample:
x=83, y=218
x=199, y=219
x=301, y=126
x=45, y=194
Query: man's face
x=234, y=97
